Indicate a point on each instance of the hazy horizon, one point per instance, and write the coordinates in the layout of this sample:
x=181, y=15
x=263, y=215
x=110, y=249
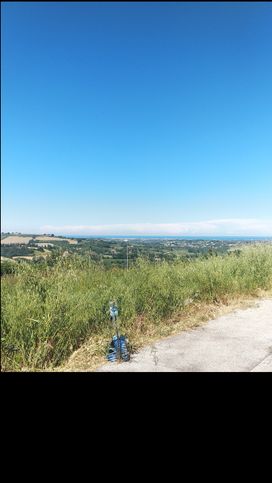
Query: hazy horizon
x=212, y=228
x=232, y=227
x=153, y=237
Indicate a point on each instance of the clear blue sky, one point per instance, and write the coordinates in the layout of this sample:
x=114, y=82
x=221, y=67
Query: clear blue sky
x=136, y=113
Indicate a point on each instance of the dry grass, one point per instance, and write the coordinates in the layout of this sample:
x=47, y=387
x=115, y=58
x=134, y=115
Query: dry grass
x=88, y=358
x=24, y=240
x=16, y=240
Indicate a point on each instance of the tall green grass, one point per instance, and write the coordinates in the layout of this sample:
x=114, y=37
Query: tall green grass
x=49, y=312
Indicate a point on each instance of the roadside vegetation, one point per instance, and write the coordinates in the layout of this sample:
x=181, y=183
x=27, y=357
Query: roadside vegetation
x=49, y=310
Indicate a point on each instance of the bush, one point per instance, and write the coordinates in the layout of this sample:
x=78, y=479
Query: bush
x=7, y=267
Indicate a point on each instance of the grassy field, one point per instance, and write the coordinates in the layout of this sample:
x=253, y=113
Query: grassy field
x=48, y=312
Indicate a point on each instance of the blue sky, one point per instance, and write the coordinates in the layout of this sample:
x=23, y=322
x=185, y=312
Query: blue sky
x=123, y=118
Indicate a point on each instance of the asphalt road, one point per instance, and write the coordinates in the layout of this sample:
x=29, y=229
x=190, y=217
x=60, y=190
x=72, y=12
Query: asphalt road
x=238, y=342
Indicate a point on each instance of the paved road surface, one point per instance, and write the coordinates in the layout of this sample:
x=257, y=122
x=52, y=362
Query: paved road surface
x=237, y=342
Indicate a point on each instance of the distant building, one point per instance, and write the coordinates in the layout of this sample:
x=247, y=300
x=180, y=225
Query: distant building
x=44, y=245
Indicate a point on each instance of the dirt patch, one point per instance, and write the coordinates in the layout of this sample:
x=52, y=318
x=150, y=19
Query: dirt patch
x=24, y=257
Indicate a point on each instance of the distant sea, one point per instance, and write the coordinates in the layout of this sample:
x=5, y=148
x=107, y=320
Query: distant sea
x=168, y=237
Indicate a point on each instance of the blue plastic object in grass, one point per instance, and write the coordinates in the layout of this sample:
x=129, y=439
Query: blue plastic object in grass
x=118, y=349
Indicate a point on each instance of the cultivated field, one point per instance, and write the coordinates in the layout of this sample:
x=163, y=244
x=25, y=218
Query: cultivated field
x=55, y=238
x=24, y=240
x=16, y=240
